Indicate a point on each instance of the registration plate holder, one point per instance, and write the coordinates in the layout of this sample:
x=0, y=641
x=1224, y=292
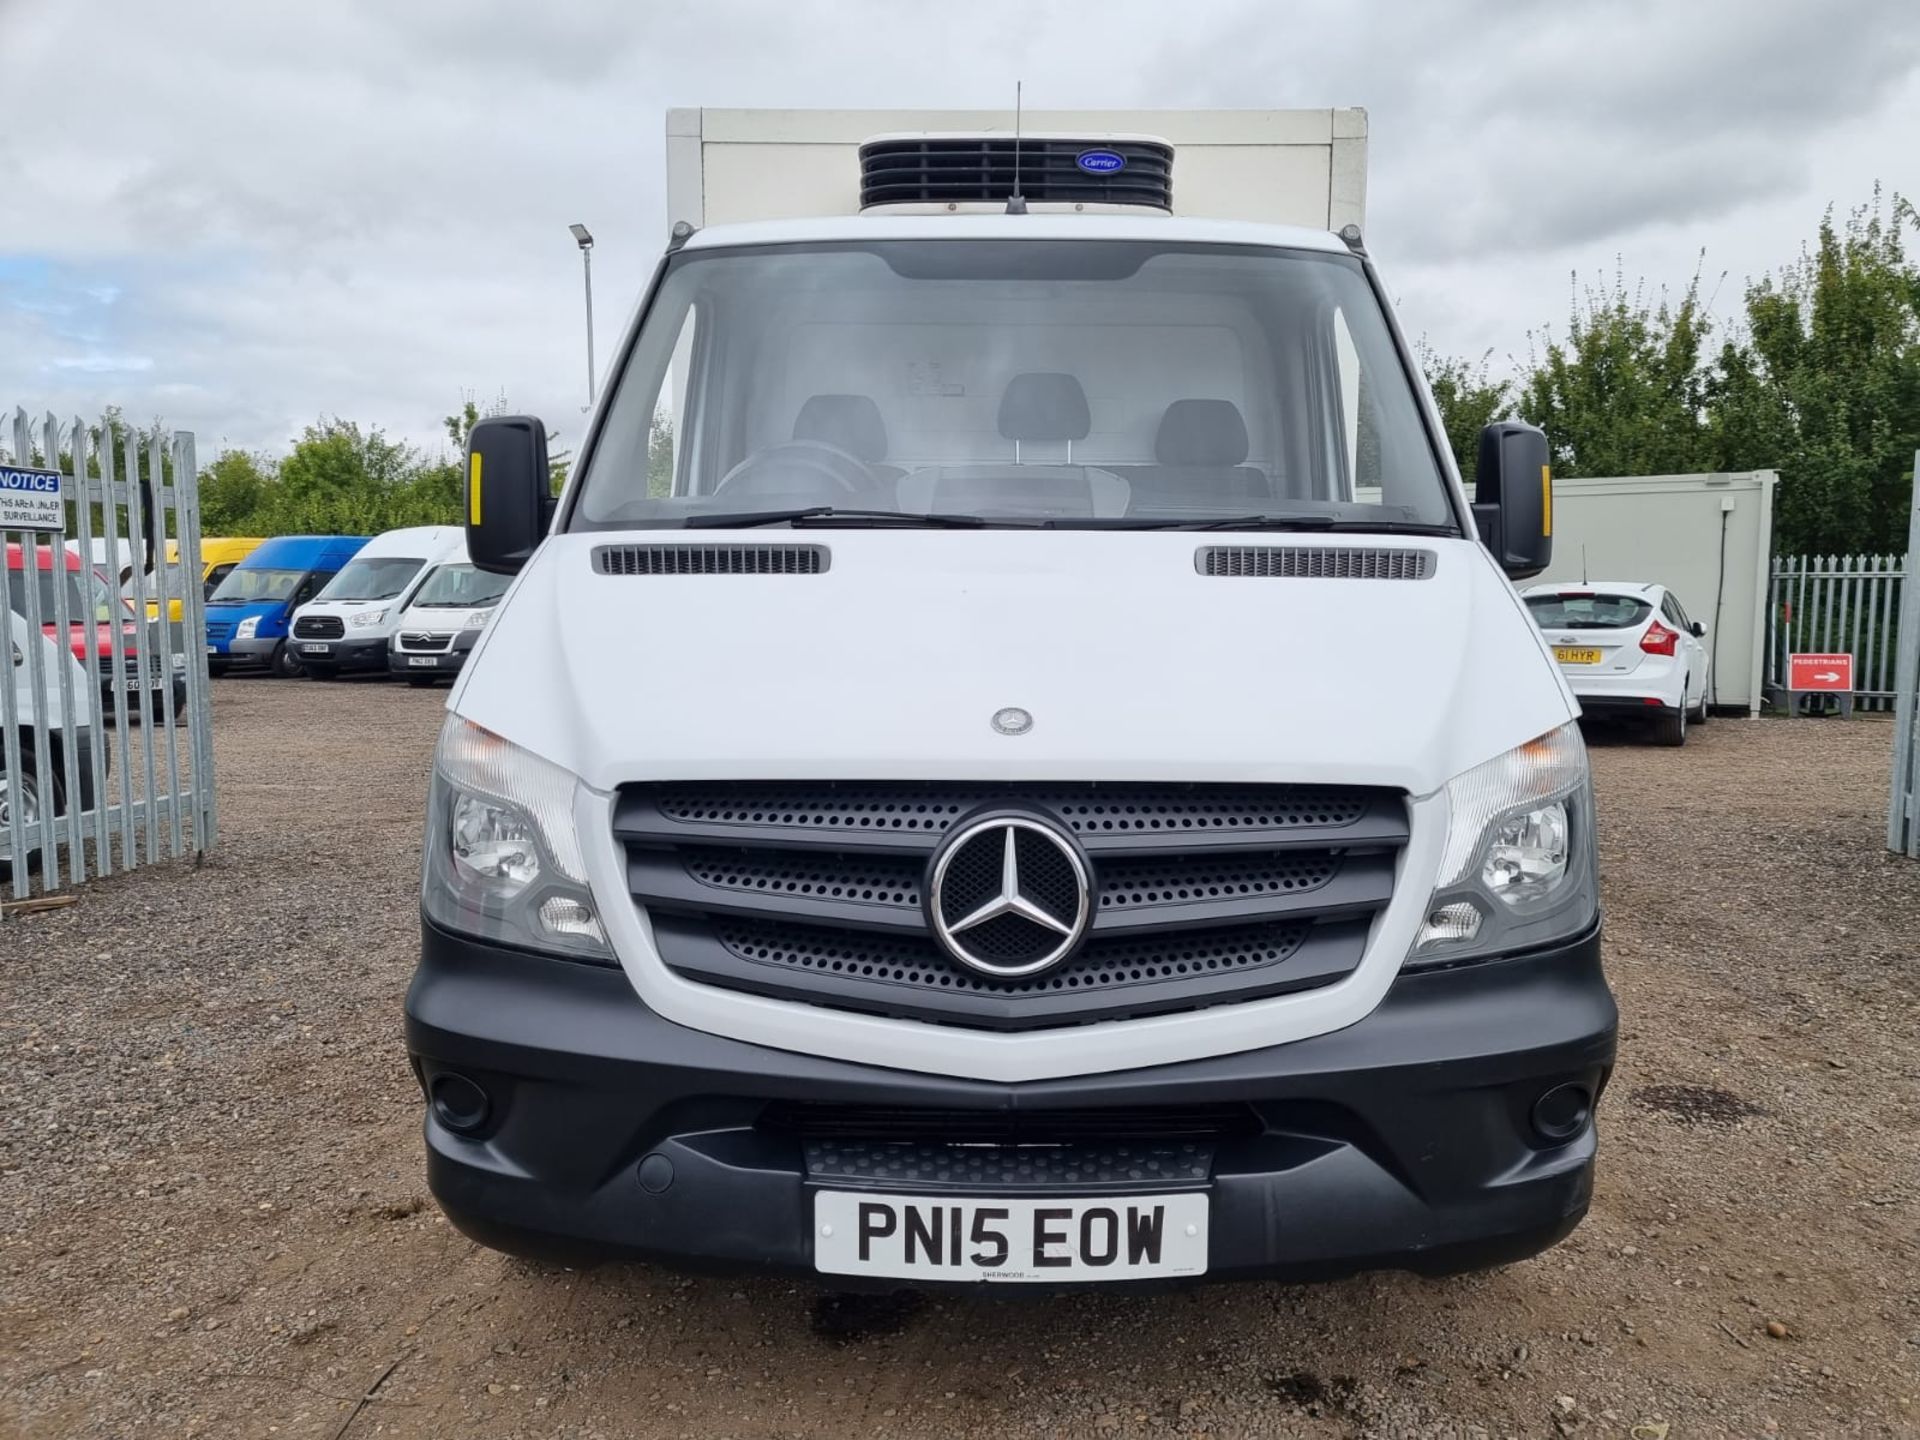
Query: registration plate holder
x=1006, y=1239
x=1575, y=655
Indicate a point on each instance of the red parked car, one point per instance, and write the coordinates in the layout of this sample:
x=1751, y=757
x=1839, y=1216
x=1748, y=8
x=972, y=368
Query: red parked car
x=92, y=604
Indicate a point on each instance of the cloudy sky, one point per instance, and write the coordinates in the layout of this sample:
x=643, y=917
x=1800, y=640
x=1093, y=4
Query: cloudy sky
x=241, y=216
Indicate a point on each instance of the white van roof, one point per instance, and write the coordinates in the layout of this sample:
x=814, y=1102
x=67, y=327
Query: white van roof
x=436, y=544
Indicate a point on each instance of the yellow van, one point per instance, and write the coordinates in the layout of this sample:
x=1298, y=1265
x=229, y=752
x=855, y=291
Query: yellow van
x=218, y=555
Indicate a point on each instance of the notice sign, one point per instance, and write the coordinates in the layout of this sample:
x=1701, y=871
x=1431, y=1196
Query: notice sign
x=31, y=499
x=1820, y=672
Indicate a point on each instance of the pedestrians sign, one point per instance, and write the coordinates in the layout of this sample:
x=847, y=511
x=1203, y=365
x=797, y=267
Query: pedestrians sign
x=30, y=499
x=1820, y=672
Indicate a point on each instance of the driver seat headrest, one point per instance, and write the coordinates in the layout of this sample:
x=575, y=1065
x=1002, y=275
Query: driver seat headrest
x=851, y=422
x=1044, y=405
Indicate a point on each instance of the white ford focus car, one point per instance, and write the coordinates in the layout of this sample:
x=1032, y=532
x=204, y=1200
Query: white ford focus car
x=1628, y=652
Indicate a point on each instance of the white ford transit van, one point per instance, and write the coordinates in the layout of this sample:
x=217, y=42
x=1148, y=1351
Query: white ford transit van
x=1049, y=780
x=349, y=624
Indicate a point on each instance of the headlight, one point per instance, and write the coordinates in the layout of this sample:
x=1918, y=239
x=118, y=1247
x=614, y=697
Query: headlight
x=369, y=617
x=503, y=860
x=477, y=619
x=246, y=628
x=1519, y=866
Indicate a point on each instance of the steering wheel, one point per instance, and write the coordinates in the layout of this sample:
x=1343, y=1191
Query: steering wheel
x=795, y=466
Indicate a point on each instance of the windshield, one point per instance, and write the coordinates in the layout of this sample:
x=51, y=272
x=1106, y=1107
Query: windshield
x=248, y=583
x=69, y=581
x=1587, y=611
x=371, y=579
x=1015, y=381
x=461, y=587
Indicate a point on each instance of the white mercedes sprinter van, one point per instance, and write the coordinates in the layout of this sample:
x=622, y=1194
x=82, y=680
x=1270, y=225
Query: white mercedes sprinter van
x=349, y=624
x=1051, y=784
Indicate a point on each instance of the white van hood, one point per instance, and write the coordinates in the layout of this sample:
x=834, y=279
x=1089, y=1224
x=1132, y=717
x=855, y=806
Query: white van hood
x=1133, y=665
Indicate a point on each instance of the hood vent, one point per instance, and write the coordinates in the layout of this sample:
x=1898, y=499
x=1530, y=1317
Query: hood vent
x=710, y=559
x=1313, y=562
x=963, y=169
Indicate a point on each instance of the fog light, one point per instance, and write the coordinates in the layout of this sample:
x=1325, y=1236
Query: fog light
x=1458, y=921
x=1563, y=1111
x=565, y=916
x=458, y=1103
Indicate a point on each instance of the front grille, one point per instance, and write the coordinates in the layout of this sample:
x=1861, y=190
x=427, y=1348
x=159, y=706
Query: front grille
x=1204, y=894
x=1313, y=562
x=423, y=642
x=219, y=629
x=319, y=627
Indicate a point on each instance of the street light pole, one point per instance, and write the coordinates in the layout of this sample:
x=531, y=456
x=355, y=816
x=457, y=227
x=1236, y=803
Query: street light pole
x=585, y=242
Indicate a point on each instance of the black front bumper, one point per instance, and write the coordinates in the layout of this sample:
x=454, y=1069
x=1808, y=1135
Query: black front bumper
x=441, y=662
x=336, y=655
x=1404, y=1141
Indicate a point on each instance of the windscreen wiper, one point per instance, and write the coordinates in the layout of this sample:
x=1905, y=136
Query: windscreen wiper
x=1330, y=523
x=838, y=515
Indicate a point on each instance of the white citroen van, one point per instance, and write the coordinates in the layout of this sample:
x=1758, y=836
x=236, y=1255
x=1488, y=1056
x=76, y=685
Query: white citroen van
x=437, y=632
x=1051, y=784
x=350, y=623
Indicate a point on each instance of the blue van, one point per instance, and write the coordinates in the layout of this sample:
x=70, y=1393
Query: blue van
x=247, y=614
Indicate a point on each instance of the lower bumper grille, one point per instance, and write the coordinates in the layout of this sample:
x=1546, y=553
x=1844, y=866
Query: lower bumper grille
x=1201, y=894
x=932, y=1124
x=1057, y=1169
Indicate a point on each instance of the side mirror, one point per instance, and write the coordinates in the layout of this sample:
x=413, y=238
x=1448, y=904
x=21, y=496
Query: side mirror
x=1699, y=630
x=507, y=505
x=1513, y=497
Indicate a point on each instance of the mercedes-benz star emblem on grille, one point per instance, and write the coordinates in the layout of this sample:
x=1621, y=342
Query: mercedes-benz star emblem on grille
x=1009, y=895
x=1012, y=721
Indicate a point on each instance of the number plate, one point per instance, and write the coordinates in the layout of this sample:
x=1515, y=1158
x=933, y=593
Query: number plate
x=316, y=649
x=424, y=661
x=1568, y=655
x=997, y=1238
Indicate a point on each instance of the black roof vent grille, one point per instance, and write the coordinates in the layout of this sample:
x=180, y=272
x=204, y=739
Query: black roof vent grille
x=710, y=559
x=958, y=169
x=1313, y=562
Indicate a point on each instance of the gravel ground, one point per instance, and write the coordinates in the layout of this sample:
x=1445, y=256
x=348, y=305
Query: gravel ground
x=213, y=1217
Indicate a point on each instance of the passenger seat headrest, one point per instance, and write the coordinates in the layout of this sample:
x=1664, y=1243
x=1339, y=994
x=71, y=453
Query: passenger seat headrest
x=1201, y=432
x=852, y=422
x=1044, y=405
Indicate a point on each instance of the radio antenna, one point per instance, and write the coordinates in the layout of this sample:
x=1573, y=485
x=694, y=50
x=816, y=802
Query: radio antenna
x=1583, y=565
x=1016, y=202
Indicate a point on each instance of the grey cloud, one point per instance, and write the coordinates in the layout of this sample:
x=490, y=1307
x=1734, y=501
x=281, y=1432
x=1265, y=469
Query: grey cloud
x=360, y=207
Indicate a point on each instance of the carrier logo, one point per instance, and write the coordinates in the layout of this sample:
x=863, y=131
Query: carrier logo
x=1009, y=895
x=1101, y=162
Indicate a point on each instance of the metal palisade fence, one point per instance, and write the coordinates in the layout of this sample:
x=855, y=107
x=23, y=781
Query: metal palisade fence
x=1903, y=804
x=106, y=743
x=1835, y=604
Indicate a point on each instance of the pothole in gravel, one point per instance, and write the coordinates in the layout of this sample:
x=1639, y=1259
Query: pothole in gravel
x=845, y=1318
x=1312, y=1394
x=1697, y=1104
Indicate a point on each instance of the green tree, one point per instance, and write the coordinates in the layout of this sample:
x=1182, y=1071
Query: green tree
x=340, y=479
x=1625, y=393
x=660, y=454
x=1468, y=398
x=1828, y=387
x=234, y=490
